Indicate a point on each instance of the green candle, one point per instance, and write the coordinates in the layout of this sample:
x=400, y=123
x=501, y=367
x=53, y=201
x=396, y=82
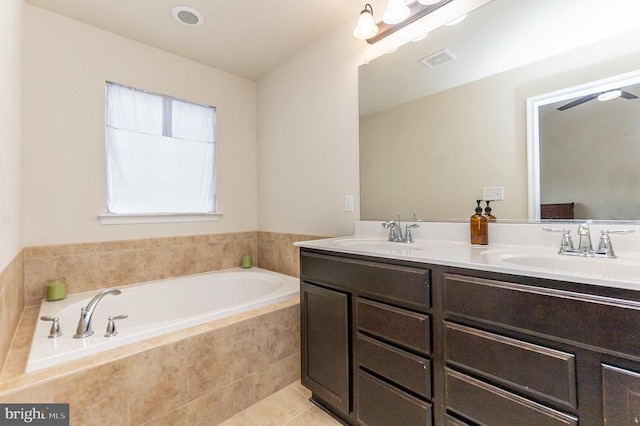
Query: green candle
x=246, y=261
x=56, y=289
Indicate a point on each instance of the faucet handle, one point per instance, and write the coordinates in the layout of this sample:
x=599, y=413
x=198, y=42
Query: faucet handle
x=55, y=330
x=407, y=232
x=567, y=243
x=605, y=249
x=111, y=325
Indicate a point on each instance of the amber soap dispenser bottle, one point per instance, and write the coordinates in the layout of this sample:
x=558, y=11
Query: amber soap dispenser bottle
x=479, y=227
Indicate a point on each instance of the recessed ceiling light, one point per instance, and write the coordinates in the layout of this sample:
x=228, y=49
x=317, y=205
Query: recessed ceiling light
x=188, y=16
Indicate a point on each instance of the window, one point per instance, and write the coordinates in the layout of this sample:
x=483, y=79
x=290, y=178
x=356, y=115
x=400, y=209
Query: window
x=160, y=154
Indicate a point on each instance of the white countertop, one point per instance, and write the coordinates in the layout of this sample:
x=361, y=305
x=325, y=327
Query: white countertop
x=447, y=243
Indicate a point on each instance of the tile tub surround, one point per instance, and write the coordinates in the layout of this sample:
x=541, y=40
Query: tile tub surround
x=11, y=302
x=201, y=375
x=92, y=266
x=277, y=253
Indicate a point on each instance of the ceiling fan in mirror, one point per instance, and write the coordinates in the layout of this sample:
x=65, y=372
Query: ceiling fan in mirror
x=601, y=96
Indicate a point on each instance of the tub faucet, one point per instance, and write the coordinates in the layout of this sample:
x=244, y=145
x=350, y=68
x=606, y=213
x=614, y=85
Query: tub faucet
x=86, y=313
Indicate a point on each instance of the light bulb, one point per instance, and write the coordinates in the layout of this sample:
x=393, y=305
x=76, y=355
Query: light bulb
x=366, y=26
x=397, y=11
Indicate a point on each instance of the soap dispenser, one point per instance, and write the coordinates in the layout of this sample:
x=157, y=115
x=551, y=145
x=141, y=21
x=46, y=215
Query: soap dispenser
x=487, y=212
x=479, y=227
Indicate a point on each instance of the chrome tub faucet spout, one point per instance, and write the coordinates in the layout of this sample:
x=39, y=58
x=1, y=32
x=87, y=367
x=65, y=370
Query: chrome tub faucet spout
x=86, y=313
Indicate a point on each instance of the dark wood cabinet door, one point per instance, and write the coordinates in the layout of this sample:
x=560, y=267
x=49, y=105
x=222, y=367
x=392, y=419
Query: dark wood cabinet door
x=324, y=327
x=620, y=396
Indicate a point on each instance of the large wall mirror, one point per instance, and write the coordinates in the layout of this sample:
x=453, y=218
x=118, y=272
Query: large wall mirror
x=431, y=137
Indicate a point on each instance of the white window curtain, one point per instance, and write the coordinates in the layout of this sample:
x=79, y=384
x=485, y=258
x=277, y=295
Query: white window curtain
x=160, y=154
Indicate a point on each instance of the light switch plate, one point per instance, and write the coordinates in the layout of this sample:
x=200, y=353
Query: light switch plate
x=491, y=193
x=348, y=203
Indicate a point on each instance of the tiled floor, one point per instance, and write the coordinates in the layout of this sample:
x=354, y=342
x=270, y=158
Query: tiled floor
x=289, y=406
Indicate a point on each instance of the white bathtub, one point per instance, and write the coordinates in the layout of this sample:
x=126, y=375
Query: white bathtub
x=154, y=308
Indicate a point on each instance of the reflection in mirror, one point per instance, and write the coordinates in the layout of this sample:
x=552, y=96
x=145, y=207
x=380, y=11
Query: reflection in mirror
x=584, y=150
x=432, y=138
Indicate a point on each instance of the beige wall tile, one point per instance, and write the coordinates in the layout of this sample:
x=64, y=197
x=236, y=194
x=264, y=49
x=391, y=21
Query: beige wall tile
x=91, y=266
x=251, y=389
x=176, y=417
x=157, y=381
x=251, y=347
x=40, y=393
x=12, y=300
x=285, y=371
x=211, y=409
x=284, y=333
x=209, y=361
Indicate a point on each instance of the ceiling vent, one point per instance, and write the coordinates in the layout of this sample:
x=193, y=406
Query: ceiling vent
x=438, y=59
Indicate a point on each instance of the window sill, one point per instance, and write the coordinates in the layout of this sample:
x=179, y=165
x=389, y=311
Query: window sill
x=120, y=219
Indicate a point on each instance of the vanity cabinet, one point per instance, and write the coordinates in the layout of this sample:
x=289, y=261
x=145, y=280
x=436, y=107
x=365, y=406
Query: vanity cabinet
x=430, y=344
x=366, y=329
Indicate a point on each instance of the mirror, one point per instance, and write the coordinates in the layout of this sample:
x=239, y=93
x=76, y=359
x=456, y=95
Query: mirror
x=583, y=150
x=432, y=138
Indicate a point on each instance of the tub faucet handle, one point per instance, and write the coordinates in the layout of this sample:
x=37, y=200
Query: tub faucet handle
x=111, y=325
x=55, y=330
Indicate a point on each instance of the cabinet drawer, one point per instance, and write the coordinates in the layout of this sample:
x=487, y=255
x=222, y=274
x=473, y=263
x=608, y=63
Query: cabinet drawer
x=379, y=403
x=400, y=284
x=408, y=329
x=593, y=321
x=531, y=368
x=452, y=421
x=407, y=370
x=620, y=396
x=487, y=404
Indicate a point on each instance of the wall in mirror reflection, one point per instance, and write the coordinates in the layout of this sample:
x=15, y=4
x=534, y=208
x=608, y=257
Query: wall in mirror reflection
x=590, y=156
x=433, y=156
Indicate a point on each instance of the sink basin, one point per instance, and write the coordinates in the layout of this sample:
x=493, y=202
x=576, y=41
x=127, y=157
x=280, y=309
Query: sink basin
x=612, y=268
x=371, y=244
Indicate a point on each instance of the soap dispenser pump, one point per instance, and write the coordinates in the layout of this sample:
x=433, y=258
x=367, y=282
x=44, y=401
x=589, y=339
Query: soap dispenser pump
x=479, y=227
x=487, y=212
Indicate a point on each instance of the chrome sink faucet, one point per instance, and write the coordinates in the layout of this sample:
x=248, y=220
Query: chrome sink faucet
x=584, y=244
x=395, y=231
x=86, y=313
x=585, y=248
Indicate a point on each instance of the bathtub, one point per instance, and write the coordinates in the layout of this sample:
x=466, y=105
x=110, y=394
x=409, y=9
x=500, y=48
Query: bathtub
x=154, y=308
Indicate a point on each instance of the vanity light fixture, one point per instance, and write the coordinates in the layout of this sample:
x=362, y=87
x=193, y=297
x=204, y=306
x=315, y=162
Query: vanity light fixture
x=397, y=11
x=396, y=16
x=187, y=16
x=612, y=94
x=366, y=26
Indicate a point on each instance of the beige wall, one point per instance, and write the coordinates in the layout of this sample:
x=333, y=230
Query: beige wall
x=66, y=66
x=589, y=155
x=11, y=22
x=308, y=139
